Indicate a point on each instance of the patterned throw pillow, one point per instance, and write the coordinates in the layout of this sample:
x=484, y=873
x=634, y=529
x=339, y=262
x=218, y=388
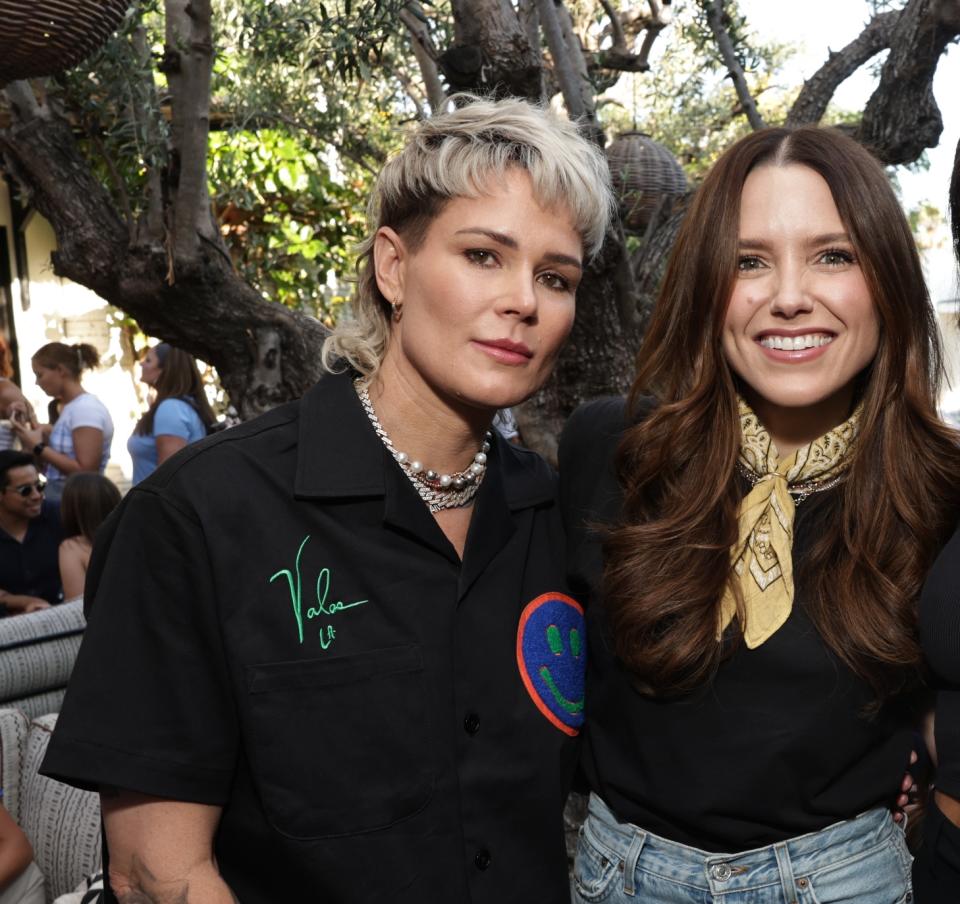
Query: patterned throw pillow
x=89, y=891
x=62, y=822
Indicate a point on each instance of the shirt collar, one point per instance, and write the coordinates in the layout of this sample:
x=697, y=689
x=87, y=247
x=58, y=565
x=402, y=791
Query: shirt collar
x=339, y=455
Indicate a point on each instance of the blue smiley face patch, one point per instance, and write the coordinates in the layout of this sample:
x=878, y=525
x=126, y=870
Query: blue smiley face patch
x=551, y=656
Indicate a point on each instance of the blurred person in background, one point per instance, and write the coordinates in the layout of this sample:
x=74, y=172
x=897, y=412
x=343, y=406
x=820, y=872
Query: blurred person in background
x=11, y=398
x=179, y=413
x=29, y=537
x=21, y=881
x=87, y=500
x=80, y=439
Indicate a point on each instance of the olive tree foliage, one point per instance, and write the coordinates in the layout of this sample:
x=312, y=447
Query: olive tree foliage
x=201, y=238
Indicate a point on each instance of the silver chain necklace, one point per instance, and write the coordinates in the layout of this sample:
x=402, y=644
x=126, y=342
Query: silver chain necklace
x=438, y=491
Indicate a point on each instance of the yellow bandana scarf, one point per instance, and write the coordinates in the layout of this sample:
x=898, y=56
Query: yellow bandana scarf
x=762, y=559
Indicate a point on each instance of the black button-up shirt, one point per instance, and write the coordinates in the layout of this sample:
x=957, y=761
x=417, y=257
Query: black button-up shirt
x=279, y=627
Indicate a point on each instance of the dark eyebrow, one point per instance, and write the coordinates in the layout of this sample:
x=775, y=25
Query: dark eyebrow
x=500, y=238
x=831, y=238
x=553, y=257
x=827, y=238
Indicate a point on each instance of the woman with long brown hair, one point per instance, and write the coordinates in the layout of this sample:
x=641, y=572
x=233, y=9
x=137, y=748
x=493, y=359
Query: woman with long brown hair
x=774, y=492
x=179, y=413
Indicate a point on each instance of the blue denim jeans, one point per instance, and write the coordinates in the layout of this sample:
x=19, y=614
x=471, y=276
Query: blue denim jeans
x=860, y=861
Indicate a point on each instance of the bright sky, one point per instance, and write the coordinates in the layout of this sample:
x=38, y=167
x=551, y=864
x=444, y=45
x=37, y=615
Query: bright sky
x=817, y=26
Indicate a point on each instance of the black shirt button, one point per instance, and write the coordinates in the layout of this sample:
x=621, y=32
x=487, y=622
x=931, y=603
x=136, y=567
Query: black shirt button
x=471, y=725
x=482, y=859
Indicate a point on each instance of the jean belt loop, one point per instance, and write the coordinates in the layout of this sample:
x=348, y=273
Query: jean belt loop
x=787, y=882
x=630, y=863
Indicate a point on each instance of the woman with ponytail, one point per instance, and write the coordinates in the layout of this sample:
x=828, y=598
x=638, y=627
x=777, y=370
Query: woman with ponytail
x=752, y=529
x=80, y=438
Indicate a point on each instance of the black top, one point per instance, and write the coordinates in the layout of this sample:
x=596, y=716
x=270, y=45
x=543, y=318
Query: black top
x=32, y=567
x=775, y=746
x=940, y=638
x=279, y=627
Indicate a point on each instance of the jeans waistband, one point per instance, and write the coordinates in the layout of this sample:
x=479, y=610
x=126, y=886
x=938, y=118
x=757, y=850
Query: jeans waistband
x=773, y=864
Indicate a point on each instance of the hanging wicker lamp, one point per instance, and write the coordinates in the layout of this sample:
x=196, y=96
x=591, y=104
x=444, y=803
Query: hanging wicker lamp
x=642, y=172
x=43, y=37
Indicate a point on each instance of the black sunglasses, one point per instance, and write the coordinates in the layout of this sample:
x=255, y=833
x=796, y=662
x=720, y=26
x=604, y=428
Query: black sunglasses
x=27, y=488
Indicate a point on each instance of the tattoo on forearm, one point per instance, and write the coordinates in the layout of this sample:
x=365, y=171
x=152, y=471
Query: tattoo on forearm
x=143, y=887
x=139, y=896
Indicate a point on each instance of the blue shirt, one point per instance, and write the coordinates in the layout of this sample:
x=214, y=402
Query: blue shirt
x=173, y=417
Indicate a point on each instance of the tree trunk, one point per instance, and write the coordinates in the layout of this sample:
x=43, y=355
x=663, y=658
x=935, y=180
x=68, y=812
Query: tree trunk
x=491, y=53
x=598, y=359
x=188, y=62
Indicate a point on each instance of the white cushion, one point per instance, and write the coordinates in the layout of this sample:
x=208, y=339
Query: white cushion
x=62, y=822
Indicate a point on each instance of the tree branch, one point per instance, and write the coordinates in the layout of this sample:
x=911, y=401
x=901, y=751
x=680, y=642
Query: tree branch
x=619, y=57
x=492, y=51
x=150, y=227
x=616, y=26
x=24, y=101
x=715, y=16
x=530, y=23
x=660, y=18
x=901, y=118
x=569, y=65
x=817, y=91
x=189, y=66
x=117, y=180
x=421, y=42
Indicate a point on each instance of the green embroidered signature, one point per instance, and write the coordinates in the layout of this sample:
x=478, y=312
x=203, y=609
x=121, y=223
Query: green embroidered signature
x=327, y=633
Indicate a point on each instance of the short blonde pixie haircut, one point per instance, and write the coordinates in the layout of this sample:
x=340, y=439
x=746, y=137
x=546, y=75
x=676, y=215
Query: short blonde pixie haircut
x=456, y=155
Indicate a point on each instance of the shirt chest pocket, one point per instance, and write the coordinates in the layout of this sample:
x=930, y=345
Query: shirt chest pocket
x=343, y=745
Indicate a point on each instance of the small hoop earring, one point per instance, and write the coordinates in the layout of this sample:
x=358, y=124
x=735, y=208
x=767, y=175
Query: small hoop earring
x=397, y=308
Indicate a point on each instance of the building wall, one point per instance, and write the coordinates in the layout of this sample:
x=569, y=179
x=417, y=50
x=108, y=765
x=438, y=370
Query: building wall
x=62, y=311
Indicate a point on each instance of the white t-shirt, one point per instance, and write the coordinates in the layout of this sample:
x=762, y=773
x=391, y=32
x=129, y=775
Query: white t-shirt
x=84, y=411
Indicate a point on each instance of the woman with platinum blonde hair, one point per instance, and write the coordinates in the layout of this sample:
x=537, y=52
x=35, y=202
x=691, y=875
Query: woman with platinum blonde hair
x=350, y=648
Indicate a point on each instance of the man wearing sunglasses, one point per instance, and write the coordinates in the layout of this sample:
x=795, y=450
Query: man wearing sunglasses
x=29, y=538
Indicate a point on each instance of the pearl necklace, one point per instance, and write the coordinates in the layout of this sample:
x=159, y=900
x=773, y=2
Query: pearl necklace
x=438, y=491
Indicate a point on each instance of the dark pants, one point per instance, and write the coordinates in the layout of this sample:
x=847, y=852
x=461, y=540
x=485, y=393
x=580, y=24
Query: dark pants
x=936, y=868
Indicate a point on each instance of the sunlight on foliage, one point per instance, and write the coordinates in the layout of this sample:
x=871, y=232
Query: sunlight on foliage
x=287, y=216
x=688, y=104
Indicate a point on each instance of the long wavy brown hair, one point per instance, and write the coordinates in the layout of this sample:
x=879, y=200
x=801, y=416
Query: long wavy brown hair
x=668, y=560
x=179, y=379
